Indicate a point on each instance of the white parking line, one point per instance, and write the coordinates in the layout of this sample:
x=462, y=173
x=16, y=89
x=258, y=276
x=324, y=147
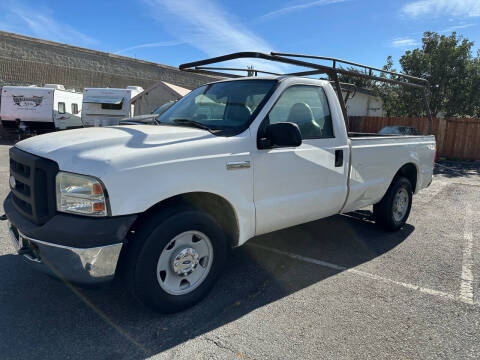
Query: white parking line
x=421, y=289
x=466, y=286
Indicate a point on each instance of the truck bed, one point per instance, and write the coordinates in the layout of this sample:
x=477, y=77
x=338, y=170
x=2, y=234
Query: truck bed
x=376, y=158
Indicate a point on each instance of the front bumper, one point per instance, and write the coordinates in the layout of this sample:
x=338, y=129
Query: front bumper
x=79, y=249
x=85, y=266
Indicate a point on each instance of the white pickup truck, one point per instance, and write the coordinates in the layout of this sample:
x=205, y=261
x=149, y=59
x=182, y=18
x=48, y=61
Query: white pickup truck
x=231, y=160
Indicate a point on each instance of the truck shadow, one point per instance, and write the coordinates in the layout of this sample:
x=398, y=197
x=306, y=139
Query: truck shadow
x=46, y=318
x=453, y=169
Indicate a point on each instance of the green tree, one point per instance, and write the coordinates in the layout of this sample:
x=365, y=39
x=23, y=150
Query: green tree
x=397, y=99
x=453, y=74
x=447, y=63
x=356, y=80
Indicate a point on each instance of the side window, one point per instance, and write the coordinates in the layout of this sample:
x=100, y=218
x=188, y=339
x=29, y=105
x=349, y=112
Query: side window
x=74, y=109
x=307, y=107
x=61, y=108
x=109, y=106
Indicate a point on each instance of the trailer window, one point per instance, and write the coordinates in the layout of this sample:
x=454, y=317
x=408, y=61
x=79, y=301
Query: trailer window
x=307, y=107
x=61, y=108
x=74, y=109
x=112, y=106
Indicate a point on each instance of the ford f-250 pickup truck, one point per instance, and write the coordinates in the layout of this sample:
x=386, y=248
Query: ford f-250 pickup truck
x=231, y=160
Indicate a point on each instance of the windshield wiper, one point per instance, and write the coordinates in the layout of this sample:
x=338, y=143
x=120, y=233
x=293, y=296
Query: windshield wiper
x=193, y=123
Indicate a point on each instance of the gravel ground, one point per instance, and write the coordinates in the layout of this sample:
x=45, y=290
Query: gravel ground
x=334, y=288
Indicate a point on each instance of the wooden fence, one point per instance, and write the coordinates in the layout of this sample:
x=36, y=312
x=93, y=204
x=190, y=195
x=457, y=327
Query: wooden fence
x=457, y=138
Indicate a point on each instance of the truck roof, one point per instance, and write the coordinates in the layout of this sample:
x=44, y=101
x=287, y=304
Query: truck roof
x=272, y=77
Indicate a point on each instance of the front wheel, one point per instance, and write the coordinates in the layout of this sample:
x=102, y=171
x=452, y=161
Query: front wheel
x=175, y=259
x=393, y=210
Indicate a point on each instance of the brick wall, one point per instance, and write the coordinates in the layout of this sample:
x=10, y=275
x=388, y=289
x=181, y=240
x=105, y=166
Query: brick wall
x=27, y=61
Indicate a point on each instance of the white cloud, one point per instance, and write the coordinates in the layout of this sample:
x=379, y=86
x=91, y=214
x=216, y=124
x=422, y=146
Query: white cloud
x=404, y=43
x=292, y=8
x=455, y=28
x=456, y=8
x=209, y=28
x=39, y=22
x=149, y=45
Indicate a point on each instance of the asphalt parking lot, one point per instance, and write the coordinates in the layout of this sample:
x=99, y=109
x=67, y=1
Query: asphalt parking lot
x=334, y=288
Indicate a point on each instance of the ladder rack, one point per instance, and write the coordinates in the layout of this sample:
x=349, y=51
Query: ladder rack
x=313, y=69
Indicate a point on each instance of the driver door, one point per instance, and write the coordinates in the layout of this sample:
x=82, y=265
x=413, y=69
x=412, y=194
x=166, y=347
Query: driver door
x=293, y=185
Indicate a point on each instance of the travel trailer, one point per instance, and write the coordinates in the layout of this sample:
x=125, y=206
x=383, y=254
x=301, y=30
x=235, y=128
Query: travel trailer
x=32, y=109
x=107, y=106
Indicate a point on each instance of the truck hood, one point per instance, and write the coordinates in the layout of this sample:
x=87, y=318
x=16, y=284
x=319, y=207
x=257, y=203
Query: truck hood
x=147, y=119
x=95, y=151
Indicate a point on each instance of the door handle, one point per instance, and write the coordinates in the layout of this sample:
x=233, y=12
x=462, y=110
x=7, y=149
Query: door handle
x=338, y=158
x=234, y=165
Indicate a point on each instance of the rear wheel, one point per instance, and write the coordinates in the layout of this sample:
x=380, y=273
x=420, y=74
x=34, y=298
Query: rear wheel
x=175, y=259
x=393, y=210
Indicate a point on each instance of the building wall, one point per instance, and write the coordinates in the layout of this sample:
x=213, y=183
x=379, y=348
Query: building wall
x=364, y=105
x=29, y=61
x=159, y=94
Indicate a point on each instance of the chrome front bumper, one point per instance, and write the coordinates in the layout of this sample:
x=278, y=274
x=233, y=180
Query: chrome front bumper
x=87, y=266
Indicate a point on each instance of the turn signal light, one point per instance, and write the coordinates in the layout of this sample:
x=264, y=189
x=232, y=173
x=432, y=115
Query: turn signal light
x=98, y=207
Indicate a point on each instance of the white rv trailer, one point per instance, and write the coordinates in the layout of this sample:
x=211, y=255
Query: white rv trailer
x=40, y=109
x=107, y=106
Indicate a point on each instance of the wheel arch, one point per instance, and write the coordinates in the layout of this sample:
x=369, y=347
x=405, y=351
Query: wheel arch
x=215, y=205
x=410, y=171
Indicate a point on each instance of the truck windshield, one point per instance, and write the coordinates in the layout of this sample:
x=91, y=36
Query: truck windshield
x=224, y=108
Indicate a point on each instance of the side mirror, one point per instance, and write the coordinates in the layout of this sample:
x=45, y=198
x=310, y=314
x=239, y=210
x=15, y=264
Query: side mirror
x=282, y=134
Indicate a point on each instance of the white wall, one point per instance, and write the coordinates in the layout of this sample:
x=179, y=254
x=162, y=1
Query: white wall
x=364, y=105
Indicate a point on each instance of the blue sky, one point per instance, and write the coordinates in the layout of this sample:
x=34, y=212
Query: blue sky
x=176, y=31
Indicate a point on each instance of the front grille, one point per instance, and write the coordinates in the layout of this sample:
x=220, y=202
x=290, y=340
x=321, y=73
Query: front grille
x=20, y=169
x=34, y=191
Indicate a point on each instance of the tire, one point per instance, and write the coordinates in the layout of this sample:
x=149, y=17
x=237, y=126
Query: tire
x=161, y=240
x=388, y=213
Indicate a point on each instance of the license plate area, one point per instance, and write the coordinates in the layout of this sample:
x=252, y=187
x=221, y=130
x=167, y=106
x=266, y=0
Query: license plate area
x=22, y=245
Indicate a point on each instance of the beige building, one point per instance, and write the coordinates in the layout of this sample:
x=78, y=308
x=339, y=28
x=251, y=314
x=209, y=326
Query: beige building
x=156, y=95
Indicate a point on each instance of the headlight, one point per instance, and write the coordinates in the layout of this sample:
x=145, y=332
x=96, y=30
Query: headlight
x=80, y=194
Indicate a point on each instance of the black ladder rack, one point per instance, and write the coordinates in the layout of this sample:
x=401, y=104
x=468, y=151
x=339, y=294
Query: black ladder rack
x=313, y=69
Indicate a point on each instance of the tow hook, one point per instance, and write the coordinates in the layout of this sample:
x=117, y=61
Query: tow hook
x=25, y=251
